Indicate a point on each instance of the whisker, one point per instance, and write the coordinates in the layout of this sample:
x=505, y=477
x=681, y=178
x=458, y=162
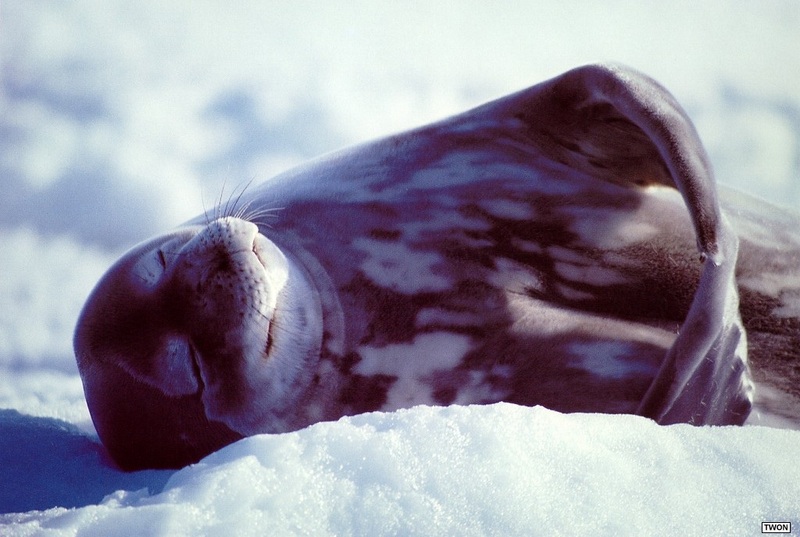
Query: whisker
x=235, y=207
x=259, y=216
x=265, y=212
x=205, y=209
x=239, y=197
x=217, y=210
x=243, y=210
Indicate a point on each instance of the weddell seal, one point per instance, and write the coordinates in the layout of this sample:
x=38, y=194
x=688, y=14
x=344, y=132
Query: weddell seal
x=563, y=246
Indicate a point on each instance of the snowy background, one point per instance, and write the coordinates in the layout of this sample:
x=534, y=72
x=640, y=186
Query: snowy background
x=117, y=121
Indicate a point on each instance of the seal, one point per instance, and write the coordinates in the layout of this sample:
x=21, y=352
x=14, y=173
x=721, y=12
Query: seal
x=563, y=246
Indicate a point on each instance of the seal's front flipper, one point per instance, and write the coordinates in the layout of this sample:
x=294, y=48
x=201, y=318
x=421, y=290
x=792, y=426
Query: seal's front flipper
x=619, y=125
x=704, y=378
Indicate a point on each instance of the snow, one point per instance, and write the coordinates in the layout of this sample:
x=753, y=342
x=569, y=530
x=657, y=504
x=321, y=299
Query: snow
x=495, y=470
x=118, y=121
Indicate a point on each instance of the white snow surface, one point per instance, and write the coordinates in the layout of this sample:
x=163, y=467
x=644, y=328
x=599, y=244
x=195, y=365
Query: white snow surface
x=494, y=470
x=121, y=120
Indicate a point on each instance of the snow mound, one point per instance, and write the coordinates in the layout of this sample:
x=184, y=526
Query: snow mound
x=492, y=470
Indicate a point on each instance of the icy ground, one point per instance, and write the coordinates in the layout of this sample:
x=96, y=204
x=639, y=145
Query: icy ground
x=495, y=470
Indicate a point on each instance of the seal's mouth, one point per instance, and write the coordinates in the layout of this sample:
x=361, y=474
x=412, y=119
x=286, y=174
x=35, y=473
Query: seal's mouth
x=261, y=249
x=270, y=336
x=195, y=364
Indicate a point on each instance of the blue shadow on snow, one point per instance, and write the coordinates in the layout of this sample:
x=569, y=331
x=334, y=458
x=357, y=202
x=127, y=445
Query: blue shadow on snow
x=46, y=463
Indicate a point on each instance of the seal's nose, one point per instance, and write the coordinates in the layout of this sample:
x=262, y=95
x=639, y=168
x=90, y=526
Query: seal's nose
x=232, y=234
x=237, y=243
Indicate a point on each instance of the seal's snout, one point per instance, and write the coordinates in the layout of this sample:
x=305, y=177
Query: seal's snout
x=233, y=241
x=231, y=291
x=228, y=266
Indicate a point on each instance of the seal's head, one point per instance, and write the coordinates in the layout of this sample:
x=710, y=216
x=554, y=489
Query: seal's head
x=193, y=319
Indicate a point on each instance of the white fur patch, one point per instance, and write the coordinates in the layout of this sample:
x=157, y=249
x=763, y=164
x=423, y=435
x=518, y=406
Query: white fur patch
x=439, y=221
x=609, y=229
x=592, y=275
x=478, y=389
x=411, y=363
x=463, y=167
x=514, y=276
x=395, y=266
x=612, y=359
x=771, y=283
x=791, y=306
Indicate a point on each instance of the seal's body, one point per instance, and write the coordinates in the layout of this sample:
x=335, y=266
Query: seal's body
x=541, y=250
